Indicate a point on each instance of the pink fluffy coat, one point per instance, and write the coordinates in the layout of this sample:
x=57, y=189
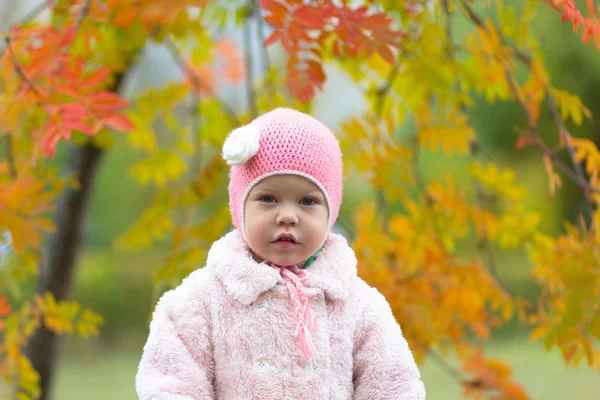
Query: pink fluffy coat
x=227, y=332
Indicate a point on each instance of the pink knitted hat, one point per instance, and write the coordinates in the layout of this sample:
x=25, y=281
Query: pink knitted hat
x=283, y=141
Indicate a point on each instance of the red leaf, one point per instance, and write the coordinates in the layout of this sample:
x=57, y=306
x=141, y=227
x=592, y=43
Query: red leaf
x=274, y=7
x=51, y=138
x=66, y=89
x=277, y=20
x=386, y=54
x=78, y=126
x=274, y=38
x=310, y=17
x=376, y=21
x=95, y=79
x=96, y=126
x=298, y=33
x=315, y=73
x=73, y=111
x=106, y=101
x=299, y=88
x=118, y=122
x=4, y=307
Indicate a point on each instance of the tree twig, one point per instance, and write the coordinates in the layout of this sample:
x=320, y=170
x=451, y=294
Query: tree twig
x=31, y=14
x=248, y=62
x=19, y=68
x=261, y=36
x=537, y=141
x=84, y=9
x=199, y=83
x=12, y=168
x=384, y=90
x=196, y=126
x=447, y=368
x=380, y=100
x=80, y=17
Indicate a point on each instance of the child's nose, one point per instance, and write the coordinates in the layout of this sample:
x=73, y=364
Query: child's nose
x=287, y=216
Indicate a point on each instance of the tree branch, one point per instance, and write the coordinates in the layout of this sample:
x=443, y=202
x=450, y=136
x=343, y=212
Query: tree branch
x=563, y=132
x=479, y=194
x=199, y=83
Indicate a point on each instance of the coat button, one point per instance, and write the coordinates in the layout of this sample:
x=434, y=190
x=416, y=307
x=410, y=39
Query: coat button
x=261, y=365
x=260, y=305
x=314, y=365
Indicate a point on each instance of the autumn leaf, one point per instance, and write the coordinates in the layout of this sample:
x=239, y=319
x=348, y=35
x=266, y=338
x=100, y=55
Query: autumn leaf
x=23, y=205
x=353, y=32
x=5, y=310
x=490, y=376
x=449, y=139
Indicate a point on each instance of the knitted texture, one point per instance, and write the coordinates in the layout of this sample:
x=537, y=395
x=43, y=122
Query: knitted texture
x=290, y=142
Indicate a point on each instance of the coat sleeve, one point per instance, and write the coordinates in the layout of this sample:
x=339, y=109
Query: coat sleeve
x=384, y=367
x=177, y=361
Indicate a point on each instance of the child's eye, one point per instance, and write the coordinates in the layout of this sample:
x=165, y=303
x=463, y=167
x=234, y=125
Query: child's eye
x=307, y=201
x=267, y=199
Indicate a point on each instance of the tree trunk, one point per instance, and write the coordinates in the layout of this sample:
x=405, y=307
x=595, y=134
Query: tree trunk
x=58, y=266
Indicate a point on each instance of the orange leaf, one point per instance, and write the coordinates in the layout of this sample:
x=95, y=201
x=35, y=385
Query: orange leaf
x=125, y=16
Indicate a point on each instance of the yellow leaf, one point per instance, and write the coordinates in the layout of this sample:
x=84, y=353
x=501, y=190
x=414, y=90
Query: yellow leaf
x=160, y=168
x=570, y=106
x=154, y=224
x=449, y=139
x=537, y=333
x=501, y=182
x=23, y=203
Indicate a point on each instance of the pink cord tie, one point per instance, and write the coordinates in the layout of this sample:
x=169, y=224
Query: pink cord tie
x=307, y=323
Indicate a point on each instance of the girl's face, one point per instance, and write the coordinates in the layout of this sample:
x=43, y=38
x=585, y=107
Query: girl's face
x=287, y=205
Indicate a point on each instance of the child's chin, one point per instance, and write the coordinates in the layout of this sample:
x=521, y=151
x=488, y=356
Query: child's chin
x=286, y=262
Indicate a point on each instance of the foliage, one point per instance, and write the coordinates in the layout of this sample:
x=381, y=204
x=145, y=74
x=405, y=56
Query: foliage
x=420, y=80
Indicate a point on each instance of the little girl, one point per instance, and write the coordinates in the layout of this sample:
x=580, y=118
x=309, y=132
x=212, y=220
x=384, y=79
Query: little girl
x=279, y=311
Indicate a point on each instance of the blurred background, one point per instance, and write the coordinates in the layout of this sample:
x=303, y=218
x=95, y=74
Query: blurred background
x=118, y=285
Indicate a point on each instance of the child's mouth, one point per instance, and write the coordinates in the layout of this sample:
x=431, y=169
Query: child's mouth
x=285, y=242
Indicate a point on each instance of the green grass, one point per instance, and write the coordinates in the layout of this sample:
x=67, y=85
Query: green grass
x=101, y=374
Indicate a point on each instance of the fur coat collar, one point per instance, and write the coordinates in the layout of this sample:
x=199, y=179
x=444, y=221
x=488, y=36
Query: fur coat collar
x=245, y=279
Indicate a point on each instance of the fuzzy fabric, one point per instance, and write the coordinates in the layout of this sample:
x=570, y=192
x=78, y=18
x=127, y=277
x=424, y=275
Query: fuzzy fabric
x=227, y=333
